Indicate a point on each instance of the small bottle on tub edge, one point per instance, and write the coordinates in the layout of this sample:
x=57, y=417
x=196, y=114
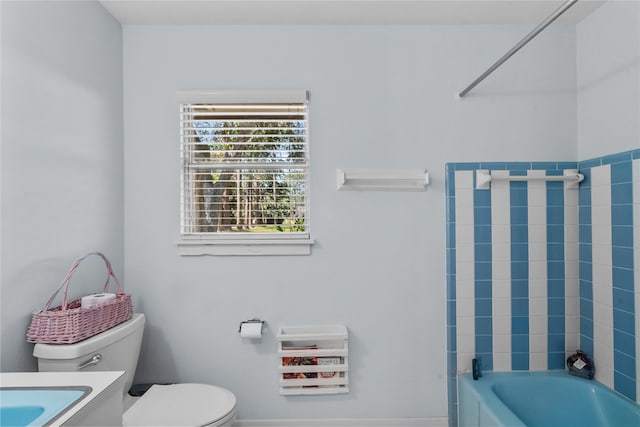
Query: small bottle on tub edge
x=580, y=365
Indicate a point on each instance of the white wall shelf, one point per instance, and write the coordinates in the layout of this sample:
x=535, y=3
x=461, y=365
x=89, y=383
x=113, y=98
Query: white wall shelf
x=382, y=179
x=313, y=359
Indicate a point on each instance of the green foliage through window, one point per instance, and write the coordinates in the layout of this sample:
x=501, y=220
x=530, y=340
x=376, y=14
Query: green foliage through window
x=244, y=168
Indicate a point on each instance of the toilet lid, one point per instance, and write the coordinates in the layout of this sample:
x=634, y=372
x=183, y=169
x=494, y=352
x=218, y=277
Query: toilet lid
x=181, y=405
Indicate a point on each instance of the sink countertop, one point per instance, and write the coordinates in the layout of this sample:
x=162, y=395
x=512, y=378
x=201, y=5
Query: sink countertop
x=99, y=381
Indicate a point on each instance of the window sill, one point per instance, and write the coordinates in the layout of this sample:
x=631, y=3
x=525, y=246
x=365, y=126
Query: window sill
x=222, y=247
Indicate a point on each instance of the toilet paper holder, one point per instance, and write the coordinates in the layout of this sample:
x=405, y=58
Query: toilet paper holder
x=252, y=320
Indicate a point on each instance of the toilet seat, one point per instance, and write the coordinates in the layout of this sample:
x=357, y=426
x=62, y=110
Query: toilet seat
x=182, y=405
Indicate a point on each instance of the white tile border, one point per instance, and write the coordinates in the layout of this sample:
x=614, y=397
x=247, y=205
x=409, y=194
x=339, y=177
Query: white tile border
x=501, y=272
x=602, y=273
x=465, y=270
x=571, y=273
x=538, y=302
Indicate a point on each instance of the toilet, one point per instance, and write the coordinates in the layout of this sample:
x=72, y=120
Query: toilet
x=117, y=349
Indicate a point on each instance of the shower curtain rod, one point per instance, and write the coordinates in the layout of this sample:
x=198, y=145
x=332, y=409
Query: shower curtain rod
x=544, y=24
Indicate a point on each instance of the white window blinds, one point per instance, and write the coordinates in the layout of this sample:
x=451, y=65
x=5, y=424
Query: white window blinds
x=245, y=160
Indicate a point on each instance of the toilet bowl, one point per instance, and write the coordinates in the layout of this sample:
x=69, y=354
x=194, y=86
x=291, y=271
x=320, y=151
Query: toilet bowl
x=162, y=405
x=182, y=404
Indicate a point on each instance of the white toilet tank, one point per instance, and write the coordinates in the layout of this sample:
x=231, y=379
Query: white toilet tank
x=116, y=349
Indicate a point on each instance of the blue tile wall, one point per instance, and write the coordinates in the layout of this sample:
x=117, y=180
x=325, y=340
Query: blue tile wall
x=622, y=373
x=452, y=368
x=524, y=294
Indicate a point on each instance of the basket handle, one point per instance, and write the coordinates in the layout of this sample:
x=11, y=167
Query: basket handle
x=67, y=278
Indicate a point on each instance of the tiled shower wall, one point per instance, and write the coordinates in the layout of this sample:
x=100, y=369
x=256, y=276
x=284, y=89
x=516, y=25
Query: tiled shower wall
x=609, y=217
x=536, y=270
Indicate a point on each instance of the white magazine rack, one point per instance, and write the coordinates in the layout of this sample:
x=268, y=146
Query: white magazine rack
x=313, y=359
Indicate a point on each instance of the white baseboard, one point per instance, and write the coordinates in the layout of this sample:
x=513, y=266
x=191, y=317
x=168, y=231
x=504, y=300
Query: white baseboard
x=349, y=422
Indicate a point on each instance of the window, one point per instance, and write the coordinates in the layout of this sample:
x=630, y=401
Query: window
x=245, y=171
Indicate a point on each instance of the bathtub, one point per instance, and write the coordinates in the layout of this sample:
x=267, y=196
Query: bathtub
x=37, y=406
x=541, y=399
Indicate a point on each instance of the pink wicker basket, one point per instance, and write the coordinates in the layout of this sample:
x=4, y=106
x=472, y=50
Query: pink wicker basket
x=70, y=322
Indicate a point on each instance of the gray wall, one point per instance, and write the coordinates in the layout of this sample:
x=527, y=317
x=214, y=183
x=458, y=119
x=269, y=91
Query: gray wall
x=608, y=80
x=380, y=97
x=62, y=156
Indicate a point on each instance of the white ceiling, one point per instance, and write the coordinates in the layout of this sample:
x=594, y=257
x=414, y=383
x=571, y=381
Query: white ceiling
x=342, y=12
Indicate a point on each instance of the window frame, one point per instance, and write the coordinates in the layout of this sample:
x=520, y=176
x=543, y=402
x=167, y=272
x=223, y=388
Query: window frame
x=242, y=243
